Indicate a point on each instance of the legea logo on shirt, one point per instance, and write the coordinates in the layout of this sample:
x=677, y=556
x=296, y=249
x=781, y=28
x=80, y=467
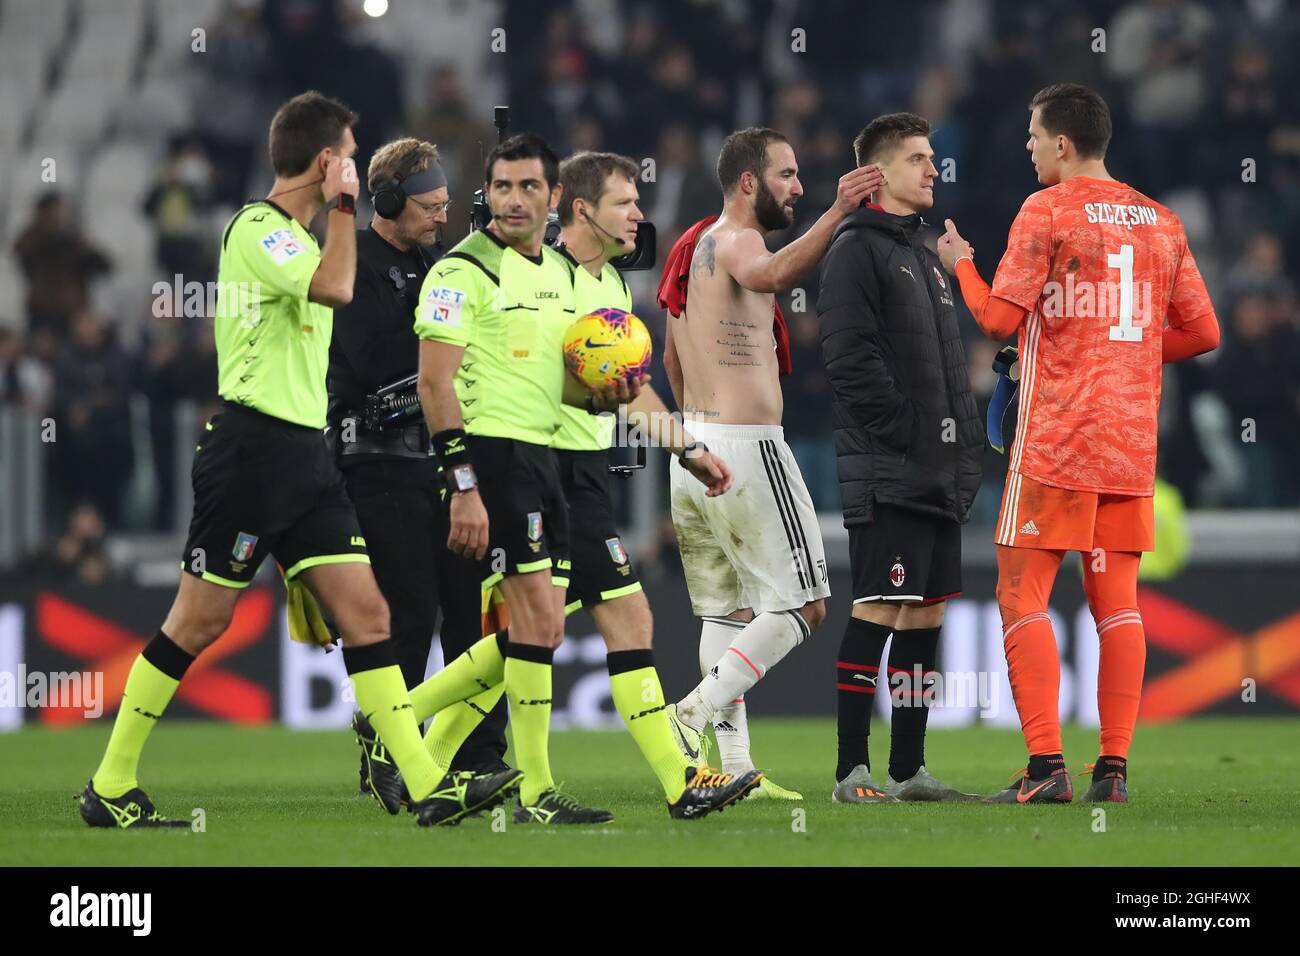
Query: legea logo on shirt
x=444, y=306
x=281, y=245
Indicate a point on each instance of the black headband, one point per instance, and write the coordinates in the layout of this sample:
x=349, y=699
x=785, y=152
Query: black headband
x=425, y=181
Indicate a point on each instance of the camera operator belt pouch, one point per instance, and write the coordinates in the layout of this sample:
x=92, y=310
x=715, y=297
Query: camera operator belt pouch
x=409, y=441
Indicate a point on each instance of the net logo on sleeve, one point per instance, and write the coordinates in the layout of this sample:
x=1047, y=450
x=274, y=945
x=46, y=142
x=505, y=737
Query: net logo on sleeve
x=281, y=245
x=444, y=306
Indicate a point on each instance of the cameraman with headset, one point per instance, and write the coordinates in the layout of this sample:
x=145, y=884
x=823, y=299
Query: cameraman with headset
x=391, y=478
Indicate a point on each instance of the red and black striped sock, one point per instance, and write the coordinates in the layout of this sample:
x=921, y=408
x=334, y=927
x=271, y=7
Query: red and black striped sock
x=1107, y=765
x=913, y=653
x=856, y=674
x=1042, y=766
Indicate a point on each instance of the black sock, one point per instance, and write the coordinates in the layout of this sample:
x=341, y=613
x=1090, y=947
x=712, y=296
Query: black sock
x=1107, y=765
x=1044, y=765
x=913, y=652
x=856, y=674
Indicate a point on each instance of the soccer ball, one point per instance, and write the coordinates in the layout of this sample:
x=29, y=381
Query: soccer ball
x=607, y=345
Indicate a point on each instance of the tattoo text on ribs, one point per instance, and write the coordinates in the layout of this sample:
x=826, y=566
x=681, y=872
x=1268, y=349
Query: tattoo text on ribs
x=739, y=339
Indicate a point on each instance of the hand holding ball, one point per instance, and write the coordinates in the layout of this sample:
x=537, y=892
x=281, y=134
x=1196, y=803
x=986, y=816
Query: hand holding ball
x=607, y=346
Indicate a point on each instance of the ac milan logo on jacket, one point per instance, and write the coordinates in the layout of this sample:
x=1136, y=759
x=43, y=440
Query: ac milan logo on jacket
x=938, y=274
x=897, y=573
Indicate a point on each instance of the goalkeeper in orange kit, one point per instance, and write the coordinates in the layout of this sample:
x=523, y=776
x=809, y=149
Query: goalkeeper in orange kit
x=1100, y=287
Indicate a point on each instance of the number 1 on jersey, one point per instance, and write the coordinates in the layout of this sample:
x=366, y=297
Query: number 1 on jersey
x=1126, y=331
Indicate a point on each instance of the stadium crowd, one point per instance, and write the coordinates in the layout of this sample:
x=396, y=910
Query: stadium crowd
x=1206, y=114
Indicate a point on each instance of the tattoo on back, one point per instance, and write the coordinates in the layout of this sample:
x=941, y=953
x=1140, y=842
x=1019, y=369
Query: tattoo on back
x=705, y=256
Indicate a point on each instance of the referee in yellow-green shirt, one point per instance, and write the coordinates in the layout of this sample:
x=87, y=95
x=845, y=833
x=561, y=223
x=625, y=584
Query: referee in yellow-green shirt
x=264, y=480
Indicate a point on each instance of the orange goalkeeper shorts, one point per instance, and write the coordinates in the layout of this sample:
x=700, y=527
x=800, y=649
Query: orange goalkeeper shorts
x=1035, y=515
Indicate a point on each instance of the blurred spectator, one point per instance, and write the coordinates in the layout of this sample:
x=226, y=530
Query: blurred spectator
x=25, y=380
x=59, y=264
x=1159, y=49
x=80, y=551
x=313, y=47
x=1258, y=376
x=823, y=157
x=1245, y=107
x=307, y=41
x=239, y=71
x=807, y=418
x=92, y=452
x=586, y=133
x=684, y=190
x=1259, y=271
x=175, y=366
x=464, y=136
x=180, y=205
x=935, y=96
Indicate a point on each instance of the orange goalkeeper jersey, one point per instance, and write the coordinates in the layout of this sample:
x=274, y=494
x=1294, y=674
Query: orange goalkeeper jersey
x=1101, y=269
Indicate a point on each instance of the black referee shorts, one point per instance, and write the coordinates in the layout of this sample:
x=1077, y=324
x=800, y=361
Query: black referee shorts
x=601, y=569
x=528, y=520
x=905, y=556
x=265, y=486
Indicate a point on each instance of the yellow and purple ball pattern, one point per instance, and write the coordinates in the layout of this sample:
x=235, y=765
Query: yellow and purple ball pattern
x=607, y=345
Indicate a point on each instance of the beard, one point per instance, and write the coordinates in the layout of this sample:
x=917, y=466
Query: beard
x=422, y=238
x=771, y=214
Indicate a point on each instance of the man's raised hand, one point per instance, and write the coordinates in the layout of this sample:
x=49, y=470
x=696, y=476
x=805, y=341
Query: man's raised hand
x=341, y=177
x=952, y=247
x=856, y=186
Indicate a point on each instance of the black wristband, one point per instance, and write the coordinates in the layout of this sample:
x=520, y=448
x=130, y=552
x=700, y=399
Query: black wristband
x=345, y=202
x=451, y=447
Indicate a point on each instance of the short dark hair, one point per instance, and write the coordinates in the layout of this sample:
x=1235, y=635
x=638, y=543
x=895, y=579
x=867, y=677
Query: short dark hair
x=583, y=176
x=884, y=134
x=525, y=146
x=303, y=127
x=1068, y=109
x=745, y=151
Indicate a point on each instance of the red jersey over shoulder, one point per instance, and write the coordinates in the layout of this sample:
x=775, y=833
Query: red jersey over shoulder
x=1101, y=268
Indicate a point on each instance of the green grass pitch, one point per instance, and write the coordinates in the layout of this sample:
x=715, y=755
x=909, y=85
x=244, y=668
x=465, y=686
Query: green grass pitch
x=1207, y=792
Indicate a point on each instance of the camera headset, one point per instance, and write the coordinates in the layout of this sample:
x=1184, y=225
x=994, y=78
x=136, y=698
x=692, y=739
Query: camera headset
x=389, y=197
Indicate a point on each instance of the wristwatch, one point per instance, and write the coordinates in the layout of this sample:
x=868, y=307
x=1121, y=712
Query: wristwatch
x=344, y=202
x=689, y=450
x=461, y=478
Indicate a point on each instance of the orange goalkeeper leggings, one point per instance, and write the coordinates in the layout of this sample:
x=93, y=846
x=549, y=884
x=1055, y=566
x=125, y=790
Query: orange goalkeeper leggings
x=1025, y=577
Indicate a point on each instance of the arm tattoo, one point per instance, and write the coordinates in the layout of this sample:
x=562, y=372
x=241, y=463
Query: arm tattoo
x=705, y=256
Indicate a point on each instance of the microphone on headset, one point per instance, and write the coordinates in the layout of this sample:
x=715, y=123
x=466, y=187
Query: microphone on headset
x=592, y=222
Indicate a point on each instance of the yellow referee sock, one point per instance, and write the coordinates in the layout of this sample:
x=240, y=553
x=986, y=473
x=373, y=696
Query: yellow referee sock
x=383, y=700
x=639, y=699
x=528, y=688
x=480, y=668
x=453, y=725
x=154, y=677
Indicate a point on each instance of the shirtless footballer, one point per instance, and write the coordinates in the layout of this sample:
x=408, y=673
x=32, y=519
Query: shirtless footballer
x=753, y=558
